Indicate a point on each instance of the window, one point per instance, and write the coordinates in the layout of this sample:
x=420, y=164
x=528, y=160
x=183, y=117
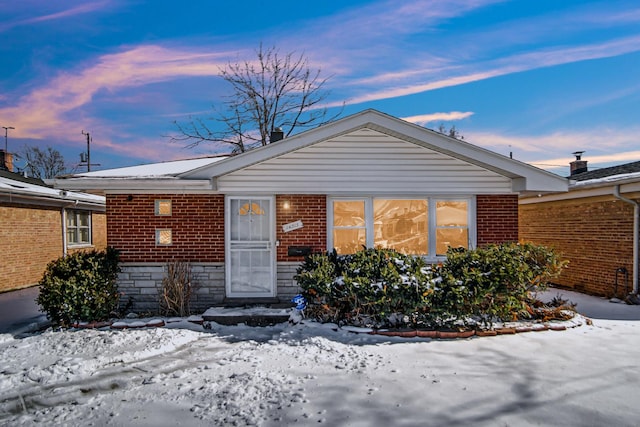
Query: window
x=414, y=226
x=452, y=225
x=164, y=237
x=401, y=225
x=163, y=207
x=349, y=230
x=78, y=227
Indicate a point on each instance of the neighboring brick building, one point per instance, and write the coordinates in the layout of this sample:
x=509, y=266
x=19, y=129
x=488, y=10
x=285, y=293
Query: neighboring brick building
x=40, y=224
x=592, y=226
x=245, y=222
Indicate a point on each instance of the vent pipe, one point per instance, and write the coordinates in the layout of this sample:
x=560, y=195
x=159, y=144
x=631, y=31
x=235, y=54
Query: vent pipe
x=276, y=135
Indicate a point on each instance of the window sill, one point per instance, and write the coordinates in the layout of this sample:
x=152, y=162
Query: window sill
x=80, y=246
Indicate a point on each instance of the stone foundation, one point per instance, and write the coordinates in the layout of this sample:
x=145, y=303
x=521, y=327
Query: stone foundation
x=141, y=285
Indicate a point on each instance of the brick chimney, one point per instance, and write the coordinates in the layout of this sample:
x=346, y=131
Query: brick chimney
x=6, y=161
x=578, y=165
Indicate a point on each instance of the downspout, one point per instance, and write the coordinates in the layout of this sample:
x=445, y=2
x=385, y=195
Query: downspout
x=64, y=232
x=636, y=225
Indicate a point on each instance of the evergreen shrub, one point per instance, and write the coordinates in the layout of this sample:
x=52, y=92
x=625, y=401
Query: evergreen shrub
x=384, y=288
x=80, y=287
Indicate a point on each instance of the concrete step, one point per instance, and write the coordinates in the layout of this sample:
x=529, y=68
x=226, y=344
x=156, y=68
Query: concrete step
x=249, y=315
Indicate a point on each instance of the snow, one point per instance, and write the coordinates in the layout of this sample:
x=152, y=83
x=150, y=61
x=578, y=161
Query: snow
x=607, y=179
x=12, y=186
x=311, y=374
x=154, y=170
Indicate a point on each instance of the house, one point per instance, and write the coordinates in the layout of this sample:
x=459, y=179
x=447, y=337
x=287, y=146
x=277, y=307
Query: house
x=40, y=224
x=245, y=222
x=594, y=225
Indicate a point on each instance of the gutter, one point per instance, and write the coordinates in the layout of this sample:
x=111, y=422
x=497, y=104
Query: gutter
x=636, y=226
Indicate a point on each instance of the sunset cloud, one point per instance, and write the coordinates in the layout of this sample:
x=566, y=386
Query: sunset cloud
x=599, y=145
x=43, y=112
x=423, y=119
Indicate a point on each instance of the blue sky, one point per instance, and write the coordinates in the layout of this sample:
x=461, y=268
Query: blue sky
x=538, y=78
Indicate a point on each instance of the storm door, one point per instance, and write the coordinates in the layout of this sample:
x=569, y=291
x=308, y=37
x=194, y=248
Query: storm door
x=250, y=255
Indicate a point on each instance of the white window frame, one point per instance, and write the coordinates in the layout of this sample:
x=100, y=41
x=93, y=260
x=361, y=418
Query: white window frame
x=67, y=228
x=431, y=205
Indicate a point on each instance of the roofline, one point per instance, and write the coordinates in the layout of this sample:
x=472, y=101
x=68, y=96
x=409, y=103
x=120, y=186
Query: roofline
x=102, y=185
x=42, y=200
x=384, y=123
x=580, y=192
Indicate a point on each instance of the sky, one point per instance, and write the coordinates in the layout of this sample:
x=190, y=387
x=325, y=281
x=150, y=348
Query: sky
x=539, y=79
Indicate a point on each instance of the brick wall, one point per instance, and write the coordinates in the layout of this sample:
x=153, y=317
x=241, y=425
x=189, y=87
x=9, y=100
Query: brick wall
x=312, y=211
x=31, y=238
x=497, y=218
x=595, y=234
x=196, y=222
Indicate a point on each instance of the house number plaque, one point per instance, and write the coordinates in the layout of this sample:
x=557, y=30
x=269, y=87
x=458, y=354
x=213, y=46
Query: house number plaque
x=292, y=226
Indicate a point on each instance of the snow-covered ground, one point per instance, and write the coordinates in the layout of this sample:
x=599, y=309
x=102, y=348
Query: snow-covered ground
x=308, y=374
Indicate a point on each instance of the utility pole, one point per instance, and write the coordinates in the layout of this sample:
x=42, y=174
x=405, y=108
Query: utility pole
x=88, y=150
x=87, y=159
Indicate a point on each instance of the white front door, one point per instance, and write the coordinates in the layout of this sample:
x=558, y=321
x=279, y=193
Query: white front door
x=250, y=248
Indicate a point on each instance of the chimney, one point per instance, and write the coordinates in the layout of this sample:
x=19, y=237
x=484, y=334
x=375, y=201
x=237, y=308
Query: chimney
x=578, y=165
x=276, y=135
x=6, y=160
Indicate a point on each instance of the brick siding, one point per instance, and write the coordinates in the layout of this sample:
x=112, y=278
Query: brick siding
x=196, y=222
x=496, y=218
x=31, y=238
x=595, y=234
x=312, y=211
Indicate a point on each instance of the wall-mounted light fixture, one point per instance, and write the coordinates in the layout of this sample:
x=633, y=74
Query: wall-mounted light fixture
x=286, y=205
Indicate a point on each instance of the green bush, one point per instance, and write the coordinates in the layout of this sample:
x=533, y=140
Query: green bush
x=381, y=287
x=373, y=287
x=493, y=282
x=80, y=287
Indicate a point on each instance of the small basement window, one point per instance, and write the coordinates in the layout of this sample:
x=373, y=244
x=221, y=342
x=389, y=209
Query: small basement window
x=164, y=237
x=163, y=207
x=78, y=228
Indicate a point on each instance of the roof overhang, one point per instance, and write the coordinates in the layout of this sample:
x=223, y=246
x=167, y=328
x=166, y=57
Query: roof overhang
x=587, y=189
x=129, y=184
x=526, y=178
x=63, y=200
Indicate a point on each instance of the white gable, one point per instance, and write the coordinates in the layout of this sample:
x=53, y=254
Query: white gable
x=364, y=161
x=369, y=152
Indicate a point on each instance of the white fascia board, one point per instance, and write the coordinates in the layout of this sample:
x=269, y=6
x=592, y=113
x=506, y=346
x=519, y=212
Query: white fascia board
x=528, y=178
x=68, y=201
x=103, y=185
x=583, y=192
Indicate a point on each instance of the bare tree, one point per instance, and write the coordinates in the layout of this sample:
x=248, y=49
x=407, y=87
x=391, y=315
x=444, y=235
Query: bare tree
x=272, y=92
x=43, y=164
x=452, y=132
